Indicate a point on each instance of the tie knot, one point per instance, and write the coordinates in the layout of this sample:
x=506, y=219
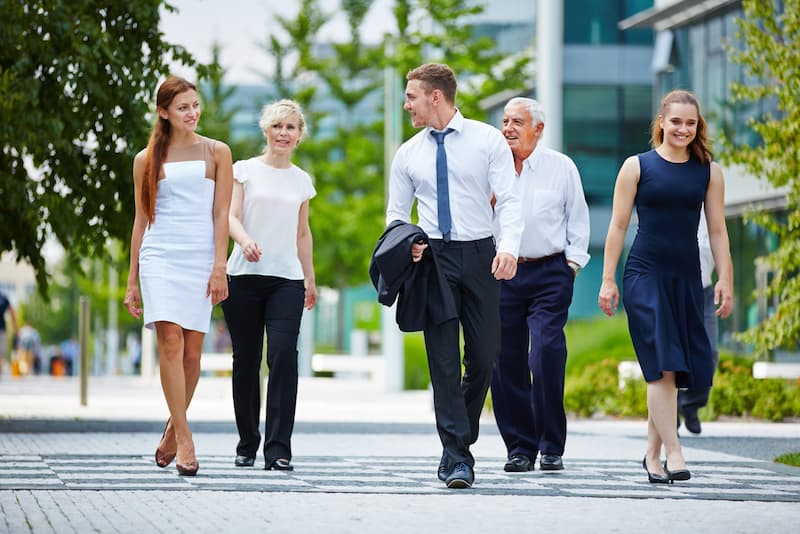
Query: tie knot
x=440, y=135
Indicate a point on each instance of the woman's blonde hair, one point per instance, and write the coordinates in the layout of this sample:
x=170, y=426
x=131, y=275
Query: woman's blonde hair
x=275, y=112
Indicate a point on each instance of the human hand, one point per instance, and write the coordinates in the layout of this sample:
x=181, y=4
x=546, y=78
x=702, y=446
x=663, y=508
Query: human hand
x=723, y=299
x=608, y=300
x=133, y=299
x=416, y=251
x=251, y=251
x=217, y=287
x=310, y=296
x=504, y=266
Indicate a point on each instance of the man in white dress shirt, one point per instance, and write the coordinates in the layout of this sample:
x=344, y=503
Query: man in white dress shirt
x=453, y=208
x=528, y=381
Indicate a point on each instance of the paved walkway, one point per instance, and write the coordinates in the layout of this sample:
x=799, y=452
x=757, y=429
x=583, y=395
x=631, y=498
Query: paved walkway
x=365, y=462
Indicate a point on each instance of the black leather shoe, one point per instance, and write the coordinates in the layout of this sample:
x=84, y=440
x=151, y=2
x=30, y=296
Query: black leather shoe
x=244, y=461
x=461, y=477
x=691, y=420
x=551, y=462
x=281, y=464
x=518, y=463
x=442, y=472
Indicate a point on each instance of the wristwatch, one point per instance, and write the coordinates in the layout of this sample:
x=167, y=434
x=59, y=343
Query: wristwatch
x=575, y=267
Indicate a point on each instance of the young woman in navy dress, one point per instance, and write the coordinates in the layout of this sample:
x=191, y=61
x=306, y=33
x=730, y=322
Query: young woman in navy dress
x=663, y=294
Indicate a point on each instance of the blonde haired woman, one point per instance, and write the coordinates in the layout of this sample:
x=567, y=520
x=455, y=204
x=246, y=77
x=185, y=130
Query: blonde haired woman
x=271, y=277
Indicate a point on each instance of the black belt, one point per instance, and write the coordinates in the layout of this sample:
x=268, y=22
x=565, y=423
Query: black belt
x=523, y=259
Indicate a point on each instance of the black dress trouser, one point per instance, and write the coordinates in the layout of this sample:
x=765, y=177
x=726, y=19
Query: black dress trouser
x=257, y=304
x=458, y=401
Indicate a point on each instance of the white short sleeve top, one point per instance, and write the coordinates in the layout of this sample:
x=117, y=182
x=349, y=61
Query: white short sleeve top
x=270, y=209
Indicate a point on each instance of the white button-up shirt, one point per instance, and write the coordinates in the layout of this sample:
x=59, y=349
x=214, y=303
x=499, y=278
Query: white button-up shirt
x=554, y=210
x=479, y=162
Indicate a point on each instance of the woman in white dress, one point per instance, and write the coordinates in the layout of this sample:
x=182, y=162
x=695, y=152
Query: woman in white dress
x=182, y=192
x=271, y=276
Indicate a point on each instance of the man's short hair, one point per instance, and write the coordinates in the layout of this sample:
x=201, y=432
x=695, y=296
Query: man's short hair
x=436, y=76
x=534, y=108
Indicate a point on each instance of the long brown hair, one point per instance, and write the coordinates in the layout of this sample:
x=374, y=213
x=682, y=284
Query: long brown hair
x=698, y=148
x=159, y=142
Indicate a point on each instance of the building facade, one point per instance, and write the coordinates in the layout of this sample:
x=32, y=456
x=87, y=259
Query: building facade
x=691, y=42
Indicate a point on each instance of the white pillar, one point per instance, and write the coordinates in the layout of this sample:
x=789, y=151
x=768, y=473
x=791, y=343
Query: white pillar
x=112, y=332
x=305, y=343
x=148, y=353
x=391, y=338
x=549, y=68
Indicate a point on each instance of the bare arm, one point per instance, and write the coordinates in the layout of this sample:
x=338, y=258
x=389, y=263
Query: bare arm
x=622, y=207
x=133, y=296
x=305, y=248
x=718, y=237
x=250, y=249
x=218, y=283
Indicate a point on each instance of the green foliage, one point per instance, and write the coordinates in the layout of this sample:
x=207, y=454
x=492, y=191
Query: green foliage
x=595, y=340
x=76, y=83
x=416, y=361
x=597, y=346
x=737, y=393
x=770, y=32
x=790, y=458
x=217, y=118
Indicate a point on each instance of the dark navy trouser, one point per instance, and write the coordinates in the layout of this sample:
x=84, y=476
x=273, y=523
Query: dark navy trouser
x=528, y=380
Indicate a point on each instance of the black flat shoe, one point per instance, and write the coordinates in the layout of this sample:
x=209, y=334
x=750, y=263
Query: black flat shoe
x=245, y=461
x=461, y=477
x=691, y=420
x=281, y=464
x=654, y=478
x=679, y=474
x=518, y=463
x=551, y=462
x=443, y=471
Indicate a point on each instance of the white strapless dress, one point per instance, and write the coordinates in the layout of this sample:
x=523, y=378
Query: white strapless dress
x=177, y=252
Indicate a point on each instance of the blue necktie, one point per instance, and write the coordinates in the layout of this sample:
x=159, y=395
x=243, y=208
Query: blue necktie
x=442, y=190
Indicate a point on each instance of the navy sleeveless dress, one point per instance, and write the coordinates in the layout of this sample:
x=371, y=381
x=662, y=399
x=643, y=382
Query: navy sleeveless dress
x=661, y=287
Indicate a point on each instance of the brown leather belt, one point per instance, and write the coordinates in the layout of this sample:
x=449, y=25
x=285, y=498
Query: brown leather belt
x=523, y=259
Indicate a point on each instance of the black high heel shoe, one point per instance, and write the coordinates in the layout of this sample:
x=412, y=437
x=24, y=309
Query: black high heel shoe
x=680, y=474
x=654, y=478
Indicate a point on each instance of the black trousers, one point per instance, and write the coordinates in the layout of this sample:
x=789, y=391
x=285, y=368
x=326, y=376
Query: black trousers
x=256, y=303
x=458, y=400
x=696, y=398
x=528, y=382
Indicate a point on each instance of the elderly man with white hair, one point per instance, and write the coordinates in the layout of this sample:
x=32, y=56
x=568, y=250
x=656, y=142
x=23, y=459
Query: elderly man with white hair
x=528, y=380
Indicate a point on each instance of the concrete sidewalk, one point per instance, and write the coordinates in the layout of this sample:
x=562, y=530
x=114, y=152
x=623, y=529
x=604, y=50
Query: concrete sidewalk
x=365, y=462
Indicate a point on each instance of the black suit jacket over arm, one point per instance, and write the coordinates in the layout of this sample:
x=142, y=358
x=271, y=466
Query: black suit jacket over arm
x=421, y=290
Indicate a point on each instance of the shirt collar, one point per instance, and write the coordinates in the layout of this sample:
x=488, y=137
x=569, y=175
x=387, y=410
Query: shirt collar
x=456, y=123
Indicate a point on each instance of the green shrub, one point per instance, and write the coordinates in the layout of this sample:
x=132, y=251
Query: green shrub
x=416, y=374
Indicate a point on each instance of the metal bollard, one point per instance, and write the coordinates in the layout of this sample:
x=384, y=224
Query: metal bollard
x=83, y=340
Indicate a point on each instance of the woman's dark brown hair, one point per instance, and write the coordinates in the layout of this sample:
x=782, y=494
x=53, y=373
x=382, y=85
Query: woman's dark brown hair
x=159, y=141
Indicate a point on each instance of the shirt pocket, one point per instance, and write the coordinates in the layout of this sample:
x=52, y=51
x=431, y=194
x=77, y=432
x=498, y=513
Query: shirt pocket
x=547, y=206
